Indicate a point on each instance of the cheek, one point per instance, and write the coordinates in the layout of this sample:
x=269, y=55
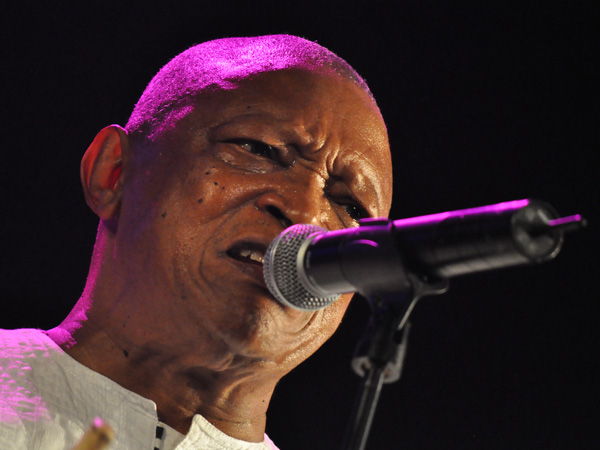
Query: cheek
x=330, y=320
x=336, y=311
x=209, y=192
x=316, y=334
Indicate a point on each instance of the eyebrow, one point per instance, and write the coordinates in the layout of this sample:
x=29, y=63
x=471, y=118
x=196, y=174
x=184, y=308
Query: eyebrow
x=255, y=111
x=299, y=140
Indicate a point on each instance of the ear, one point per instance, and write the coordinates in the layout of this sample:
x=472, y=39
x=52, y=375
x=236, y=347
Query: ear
x=101, y=175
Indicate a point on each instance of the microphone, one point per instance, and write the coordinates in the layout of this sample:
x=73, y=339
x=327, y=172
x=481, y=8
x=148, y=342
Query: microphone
x=308, y=267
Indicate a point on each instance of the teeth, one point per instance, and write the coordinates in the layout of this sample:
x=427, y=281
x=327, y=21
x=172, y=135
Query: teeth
x=256, y=256
x=252, y=254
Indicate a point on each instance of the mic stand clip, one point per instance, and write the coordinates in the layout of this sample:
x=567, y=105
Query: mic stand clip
x=380, y=352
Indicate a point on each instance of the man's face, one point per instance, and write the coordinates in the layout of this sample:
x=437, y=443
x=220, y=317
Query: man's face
x=219, y=182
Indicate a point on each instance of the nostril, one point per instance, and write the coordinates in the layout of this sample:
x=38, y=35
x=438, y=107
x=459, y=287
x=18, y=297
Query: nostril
x=275, y=205
x=276, y=212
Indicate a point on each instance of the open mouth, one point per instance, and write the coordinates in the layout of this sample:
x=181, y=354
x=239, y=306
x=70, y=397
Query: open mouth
x=248, y=253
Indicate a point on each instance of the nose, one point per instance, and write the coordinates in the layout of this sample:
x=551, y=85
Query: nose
x=292, y=203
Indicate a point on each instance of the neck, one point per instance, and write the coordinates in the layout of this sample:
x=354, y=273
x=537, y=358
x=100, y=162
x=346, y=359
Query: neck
x=113, y=331
x=231, y=392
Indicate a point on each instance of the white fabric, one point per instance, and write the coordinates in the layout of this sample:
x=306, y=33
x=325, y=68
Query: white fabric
x=47, y=400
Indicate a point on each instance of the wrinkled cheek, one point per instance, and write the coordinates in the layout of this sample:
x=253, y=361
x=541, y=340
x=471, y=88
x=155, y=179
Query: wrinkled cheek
x=336, y=312
x=338, y=309
x=318, y=332
x=180, y=275
x=330, y=319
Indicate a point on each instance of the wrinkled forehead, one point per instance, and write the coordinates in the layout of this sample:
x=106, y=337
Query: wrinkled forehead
x=319, y=115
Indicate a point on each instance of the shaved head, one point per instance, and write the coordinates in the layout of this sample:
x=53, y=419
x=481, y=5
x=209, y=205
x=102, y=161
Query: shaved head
x=219, y=65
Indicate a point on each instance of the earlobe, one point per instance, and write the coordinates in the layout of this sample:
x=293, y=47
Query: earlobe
x=101, y=174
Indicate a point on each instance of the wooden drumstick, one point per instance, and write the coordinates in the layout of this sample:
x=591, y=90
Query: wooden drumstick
x=97, y=437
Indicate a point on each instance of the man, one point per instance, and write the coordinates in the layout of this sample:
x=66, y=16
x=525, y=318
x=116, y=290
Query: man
x=176, y=341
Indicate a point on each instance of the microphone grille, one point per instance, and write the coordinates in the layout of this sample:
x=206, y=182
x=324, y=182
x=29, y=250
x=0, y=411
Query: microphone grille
x=280, y=269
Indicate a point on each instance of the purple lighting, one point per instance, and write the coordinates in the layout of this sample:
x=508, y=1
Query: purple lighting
x=21, y=401
x=222, y=64
x=565, y=220
x=488, y=209
x=569, y=223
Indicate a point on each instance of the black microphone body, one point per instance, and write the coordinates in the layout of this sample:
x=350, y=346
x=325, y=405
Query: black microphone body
x=308, y=267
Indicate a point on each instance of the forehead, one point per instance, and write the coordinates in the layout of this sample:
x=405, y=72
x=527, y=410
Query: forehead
x=305, y=91
x=321, y=115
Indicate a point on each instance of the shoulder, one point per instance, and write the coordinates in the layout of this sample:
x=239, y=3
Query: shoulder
x=23, y=349
x=33, y=381
x=19, y=400
x=23, y=341
x=23, y=353
x=28, y=368
x=270, y=444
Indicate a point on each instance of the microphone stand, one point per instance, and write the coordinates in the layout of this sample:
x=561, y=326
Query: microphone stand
x=452, y=243
x=380, y=352
x=372, y=260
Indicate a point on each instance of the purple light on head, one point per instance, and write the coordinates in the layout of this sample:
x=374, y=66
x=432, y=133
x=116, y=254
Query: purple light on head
x=460, y=213
x=221, y=64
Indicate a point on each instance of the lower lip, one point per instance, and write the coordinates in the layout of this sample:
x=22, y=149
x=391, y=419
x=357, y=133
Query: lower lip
x=249, y=267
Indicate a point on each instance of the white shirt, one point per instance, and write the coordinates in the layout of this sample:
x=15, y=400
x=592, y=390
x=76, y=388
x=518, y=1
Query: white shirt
x=47, y=401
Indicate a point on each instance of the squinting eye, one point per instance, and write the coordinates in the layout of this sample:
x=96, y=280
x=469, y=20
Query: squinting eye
x=256, y=147
x=355, y=211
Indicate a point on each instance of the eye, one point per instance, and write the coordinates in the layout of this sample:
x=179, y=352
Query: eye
x=355, y=211
x=257, y=148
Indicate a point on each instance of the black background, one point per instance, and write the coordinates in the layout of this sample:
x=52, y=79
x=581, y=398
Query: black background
x=484, y=101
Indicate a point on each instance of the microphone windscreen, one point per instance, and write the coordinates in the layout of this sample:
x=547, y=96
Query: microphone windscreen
x=282, y=265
